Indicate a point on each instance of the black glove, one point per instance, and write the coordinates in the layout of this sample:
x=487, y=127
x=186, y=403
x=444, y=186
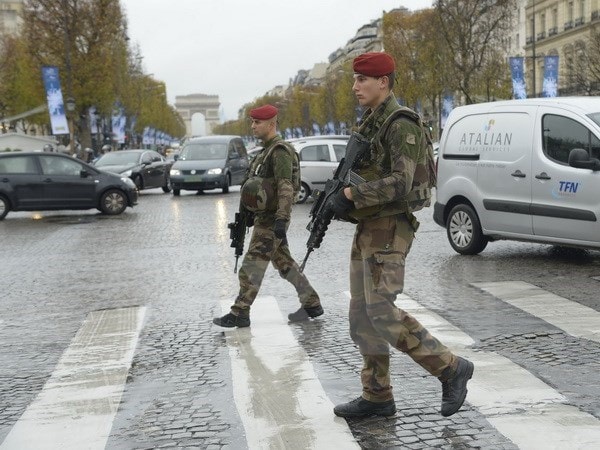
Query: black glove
x=340, y=203
x=279, y=229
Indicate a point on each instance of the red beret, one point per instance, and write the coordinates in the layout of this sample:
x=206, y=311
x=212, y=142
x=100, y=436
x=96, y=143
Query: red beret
x=263, y=113
x=374, y=64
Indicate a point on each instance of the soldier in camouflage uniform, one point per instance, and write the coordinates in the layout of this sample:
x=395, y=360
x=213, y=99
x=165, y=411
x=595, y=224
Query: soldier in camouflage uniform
x=269, y=192
x=384, y=234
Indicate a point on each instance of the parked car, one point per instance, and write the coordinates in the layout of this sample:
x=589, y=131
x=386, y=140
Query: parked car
x=32, y=181
x=147, y=168
x=319, y=157
x=210, y=162
x=523, y=170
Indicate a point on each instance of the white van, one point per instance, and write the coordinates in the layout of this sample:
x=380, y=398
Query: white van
x=521, y=169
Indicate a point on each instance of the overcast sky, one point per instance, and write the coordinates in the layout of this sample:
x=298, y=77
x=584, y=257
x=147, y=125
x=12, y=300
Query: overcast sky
x=240, y=49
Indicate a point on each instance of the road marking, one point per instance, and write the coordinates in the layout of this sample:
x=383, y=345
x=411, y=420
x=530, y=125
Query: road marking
x=277, y=393
x=519, y=405
x=571, y=317
x=77, y=405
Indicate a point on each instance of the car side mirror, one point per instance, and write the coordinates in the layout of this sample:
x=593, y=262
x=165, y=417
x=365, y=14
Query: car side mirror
x=175, y=157
x=580, y=159
x=84, y=173
x=234, y=155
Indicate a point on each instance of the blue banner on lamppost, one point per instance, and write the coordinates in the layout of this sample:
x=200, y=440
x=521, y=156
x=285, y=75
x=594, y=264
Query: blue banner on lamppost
x=518, y=79
x=54, y=97
x=550, y=84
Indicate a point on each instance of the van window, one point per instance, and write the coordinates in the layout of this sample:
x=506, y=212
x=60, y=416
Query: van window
x=239, y=146
x=561, y=135
x=315, y=153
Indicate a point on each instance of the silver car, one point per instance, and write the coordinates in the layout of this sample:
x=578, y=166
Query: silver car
x=319, y=157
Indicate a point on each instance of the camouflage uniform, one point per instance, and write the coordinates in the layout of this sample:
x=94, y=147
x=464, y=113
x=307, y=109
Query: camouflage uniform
x=264, y=246
x=381, y=243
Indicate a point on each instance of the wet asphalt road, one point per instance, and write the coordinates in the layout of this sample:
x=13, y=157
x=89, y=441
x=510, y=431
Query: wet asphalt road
x=172, y=255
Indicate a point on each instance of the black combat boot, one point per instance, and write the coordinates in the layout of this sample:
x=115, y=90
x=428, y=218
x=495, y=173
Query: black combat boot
x=305, y=313
x=454, y=389
x=359, y=407
x=231, y=320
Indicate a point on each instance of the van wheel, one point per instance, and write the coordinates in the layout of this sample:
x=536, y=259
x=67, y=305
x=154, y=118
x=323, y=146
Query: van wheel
x=464, y=231
x=4, y=207
x=227, y=184
x=303, y=193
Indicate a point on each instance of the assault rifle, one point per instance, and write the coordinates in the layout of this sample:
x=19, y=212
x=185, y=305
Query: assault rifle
x=321, y=213
x=237, y=232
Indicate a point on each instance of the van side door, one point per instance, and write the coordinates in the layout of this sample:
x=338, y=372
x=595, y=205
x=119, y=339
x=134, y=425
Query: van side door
x=565, y=200
x=503, y=141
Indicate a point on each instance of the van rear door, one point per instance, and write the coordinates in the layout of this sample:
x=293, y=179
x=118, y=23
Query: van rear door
x=565, y=200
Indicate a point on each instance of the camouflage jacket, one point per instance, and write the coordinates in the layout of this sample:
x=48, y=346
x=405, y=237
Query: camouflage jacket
x=390, y=167
x=277, y=169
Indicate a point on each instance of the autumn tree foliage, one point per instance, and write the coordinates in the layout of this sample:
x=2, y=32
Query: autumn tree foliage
x=87, y=40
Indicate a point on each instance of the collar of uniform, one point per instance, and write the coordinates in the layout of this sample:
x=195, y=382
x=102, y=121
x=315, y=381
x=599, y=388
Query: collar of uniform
x=271, y=141
x=375, y=117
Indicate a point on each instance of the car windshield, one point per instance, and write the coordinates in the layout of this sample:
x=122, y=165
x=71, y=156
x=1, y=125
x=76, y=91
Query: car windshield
x=118, y=159
x=203, y=151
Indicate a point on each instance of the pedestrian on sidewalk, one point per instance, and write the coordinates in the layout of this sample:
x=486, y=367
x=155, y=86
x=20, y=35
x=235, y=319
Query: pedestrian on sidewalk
x=269, y=191
x=394, y=168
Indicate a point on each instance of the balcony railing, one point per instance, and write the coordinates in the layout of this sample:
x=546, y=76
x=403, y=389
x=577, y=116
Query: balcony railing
x=595, y=15
x=568, y=25
x=528, y=40
x=541, y=36
x=579, y=21
x=552, y=31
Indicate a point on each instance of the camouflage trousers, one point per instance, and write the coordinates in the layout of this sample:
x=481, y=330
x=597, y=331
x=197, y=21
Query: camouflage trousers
x=264, y=248
x=377, y=262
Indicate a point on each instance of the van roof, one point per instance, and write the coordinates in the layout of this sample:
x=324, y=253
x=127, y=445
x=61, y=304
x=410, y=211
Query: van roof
x=585, y=104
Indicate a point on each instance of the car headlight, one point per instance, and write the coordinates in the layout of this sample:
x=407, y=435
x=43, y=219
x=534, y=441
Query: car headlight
x=127, y=173
x=214, y=171
x=175, y=172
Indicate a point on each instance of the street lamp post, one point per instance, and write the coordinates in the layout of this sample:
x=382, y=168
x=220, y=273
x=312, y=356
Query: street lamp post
x=70, y=104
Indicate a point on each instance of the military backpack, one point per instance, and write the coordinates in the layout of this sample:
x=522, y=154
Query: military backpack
x=259, y=192
x=425, y=178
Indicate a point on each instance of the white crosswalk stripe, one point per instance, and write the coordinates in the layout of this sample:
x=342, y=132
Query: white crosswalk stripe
x=277, y=393
x=571, y=317
x=523, y=408
x=77, y=405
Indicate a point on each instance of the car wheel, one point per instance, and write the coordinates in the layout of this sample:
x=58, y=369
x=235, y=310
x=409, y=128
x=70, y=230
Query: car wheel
x=176, y=192
x=113, y=202
x=4, y=207
x=464, y=231
x=227, y=184
x=303, y=193
x=167, y=187
x=139, y=183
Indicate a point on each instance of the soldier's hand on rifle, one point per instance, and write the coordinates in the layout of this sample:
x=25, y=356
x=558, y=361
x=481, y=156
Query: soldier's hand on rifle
x=340, y=204
x=279, y=229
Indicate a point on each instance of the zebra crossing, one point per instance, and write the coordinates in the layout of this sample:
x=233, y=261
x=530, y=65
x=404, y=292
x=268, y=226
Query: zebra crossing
x=278, y=395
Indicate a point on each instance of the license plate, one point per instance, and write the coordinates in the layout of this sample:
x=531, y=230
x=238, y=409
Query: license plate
x=193, y=178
